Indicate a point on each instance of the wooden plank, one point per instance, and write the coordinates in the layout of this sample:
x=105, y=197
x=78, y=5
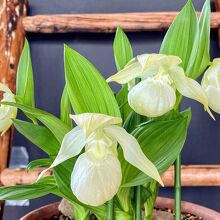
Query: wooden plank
x=106, y=23
x=199, y=175
x=12, y=38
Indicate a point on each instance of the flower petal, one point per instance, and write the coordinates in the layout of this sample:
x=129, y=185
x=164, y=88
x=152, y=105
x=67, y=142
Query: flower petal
x=211, y=85
x=4, y=88
x=212, y=75
x=152, y=98
x=95, y=182
x=5, y=124
x=132, y=151
x=189, y=87
x=158, y=60
x=131, y=71
x=213, y=95
x=91, y=121
x=6, y=112
x=72, y=144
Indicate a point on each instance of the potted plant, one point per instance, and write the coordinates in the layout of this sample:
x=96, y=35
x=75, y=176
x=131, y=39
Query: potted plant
x=108, y=165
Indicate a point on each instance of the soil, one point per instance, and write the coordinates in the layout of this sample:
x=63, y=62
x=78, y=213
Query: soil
x=185, y=216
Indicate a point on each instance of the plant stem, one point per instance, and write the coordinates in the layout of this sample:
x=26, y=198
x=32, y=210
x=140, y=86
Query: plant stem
x=110, y=210
x=177, y=188
x=138, y=210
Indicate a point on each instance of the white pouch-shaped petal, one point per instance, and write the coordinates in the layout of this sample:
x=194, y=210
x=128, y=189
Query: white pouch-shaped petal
x=95, y=182
x=152, y=97
x=213, y=95
x=211, y=85
x=132, y=151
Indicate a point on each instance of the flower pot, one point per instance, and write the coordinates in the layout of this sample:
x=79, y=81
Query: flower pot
x=48, y=211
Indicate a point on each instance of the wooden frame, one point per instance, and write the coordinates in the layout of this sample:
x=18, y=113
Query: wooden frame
x=13, y=25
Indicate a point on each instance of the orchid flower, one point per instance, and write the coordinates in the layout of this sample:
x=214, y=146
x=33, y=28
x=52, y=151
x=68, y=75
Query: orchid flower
x=6, y=112
x=211, y=85
x=160, y=77
x=97, y=174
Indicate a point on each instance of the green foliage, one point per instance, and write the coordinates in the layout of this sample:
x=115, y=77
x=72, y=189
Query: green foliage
x=122, y=99
x=161, y=141
x=189, y=39
x=38, y=189
x=65, y=108
x=46, y=162
x=87, y=89
x=122, y=49
x=25, y=83
x=200, y=54
x=38, y=135
x=54, y=124
x=123, y=54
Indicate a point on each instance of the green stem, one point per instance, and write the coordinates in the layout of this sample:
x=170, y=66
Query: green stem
x=138, y=208
x=177, y=188
x=110, y=210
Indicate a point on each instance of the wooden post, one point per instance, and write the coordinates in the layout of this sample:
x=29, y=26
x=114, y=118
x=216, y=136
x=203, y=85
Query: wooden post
x=217, y=8
x=12, y=37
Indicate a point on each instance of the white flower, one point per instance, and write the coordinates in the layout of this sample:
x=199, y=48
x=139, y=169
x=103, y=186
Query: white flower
x=211, y=85
x=160, y=76
x=97, y=175
x=6, y=112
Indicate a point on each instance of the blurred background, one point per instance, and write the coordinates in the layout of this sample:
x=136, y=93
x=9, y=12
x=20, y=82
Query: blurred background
x=203, y=142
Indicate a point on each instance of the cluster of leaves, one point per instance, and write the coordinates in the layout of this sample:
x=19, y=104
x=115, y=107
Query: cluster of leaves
x=161, y=139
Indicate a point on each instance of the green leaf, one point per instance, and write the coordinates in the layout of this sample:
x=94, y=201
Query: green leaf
x=55, y=125
x=46, y=162
x=39, y=136
x=122, y=99
x=152, y=187
x=65, y=108
x=87, y=89
x=123, y=54
x=21, y=192
x=161, y=141
x=182, y=35
x=24, y=82
x=122, y=49
x=200, y=57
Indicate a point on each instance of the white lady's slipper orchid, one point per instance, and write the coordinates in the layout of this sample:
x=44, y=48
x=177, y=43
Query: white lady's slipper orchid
x=6, y=112
x=160, y=76
x=97, y=175
x=211, y=85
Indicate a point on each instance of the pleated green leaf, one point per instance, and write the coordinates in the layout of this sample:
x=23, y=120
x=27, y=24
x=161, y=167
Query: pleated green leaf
x=21, y=192
x=46, y=162
x=123, y=53
x=54, y=124
x=122, y=99
x=87, y=89
x=65, y=108
x=161, y=141
x=182, y=35
x=200, y=57
x=122, y=49
x=38, y=135
x=25, y=82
